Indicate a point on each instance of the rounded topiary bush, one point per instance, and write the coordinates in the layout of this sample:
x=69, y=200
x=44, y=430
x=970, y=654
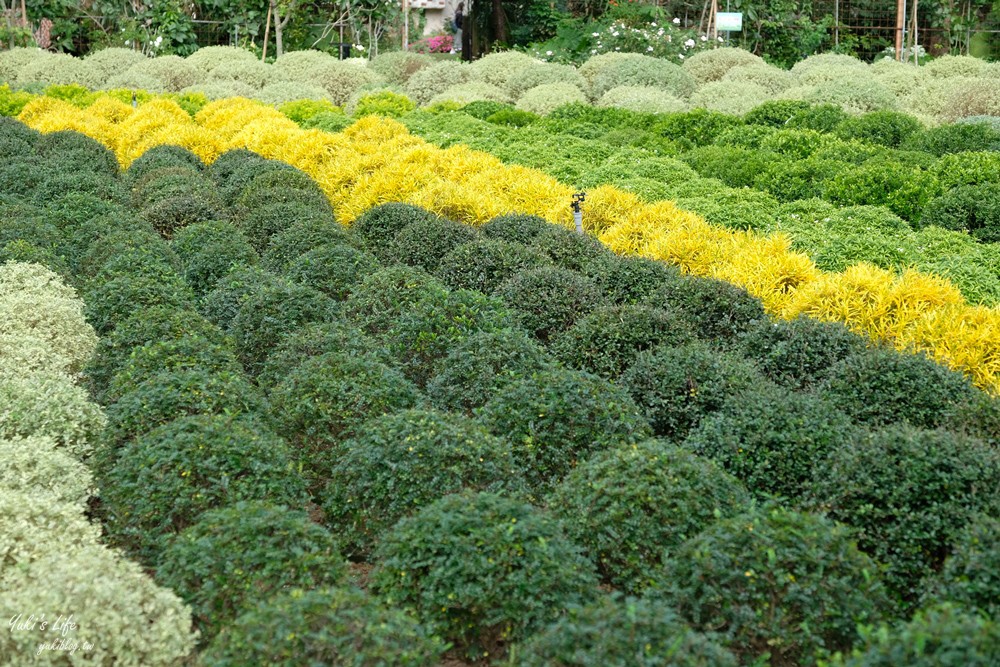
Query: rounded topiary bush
x=618, y=631
x=555, y=419
x=607, y=341
x=880, y=386
x=116, y=300
x=676, y=387
x=270, y=314
x=163, y=481
x=971, y=208
x=270, y=219
x=427, y=82
x=210, y=250
x=719, y=311
x=171, y=214
x=208, y=58
x=397, y=67
x=68, y=150
x=772, y=439
x=333, y=269
x=713, y=64
x=909, y=493
x=342, y=626
x=401, y=462
x=798, y=353
x=952, y=138
x=471, y=91
x=547, y=300
x=971, y=574
x=26, y=530
x=543, y=99
x=940, y=636
x=731, y=97
x=378, y=226
x=633, y=69
x=483, y=364
x=343, y=392
x=515, y=228
x=775, y=582
x=480, y=569
x=251, y=72
x=642, y=99
x=239, y=556
x=313, y=340
x=35, y=465
x=629, y=280
x=902, y=188
x=886, y=128
x=569, y=250
x=423, y=243
x=301, y=237
x=484, y=264
x=631, y=506
x=386, y=294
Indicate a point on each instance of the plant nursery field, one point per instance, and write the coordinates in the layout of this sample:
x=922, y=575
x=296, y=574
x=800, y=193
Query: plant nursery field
x=328, y=378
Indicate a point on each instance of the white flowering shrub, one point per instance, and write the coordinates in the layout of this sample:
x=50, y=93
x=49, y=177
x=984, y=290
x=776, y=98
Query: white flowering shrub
x=771, y=78
x=644, y=99
x=49, y=404
x=661, y=40
x=119, y=615
x=58, y=69
x=207, y=58
x=732, y=97
x=252, y=73
x=34, y=464
x=632, y=69
x=712, y=65
x=281, y=92
x=34, y=523
x=36, y=304
x=135, y=80
x=545, y=98
x=473, y=91
x=430, y=81
x=111, y=62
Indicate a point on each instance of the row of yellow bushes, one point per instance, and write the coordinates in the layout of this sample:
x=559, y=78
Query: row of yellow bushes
x=376, y=160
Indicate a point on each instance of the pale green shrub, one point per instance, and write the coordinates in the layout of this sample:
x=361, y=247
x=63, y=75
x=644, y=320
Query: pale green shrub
x=252, y=72
x=771, y=78
x=136, y=80
x=34, y=523
x=281, y=92
x=472, y=91
x=220, y=90
x=830, y=73
x=49, y=404
x=802, y=93
x=24, y=353
x=33, y=464
x=397, y=67
x=545, y=98
x=405, y=103
x=713, y=64
x=826, y=59
x=433, y=80
x=340, y=79
x=543, y=73
x=174, y=72
x=501, y=67
x=12, y=61
x=58, y=69
x=933, y=96
x=296, y=65
x=633, y=69
x=732, y=97
x=980, y=98
x=117, y=608
x=949, y=66
x=643, y=99
x=34, y=302
x=113, y=61
x=207, y=58
x=900, y=78
x=860, y=95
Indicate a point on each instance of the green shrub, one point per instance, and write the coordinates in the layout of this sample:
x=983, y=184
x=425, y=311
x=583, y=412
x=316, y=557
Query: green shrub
x=253, y=73
x=713, y=64
x=169, y=215
x=699, y=126
x=58, y=69
x=555, y=419
x=383, y=296
x=638, y=70
x=338, y=78
x=676, y=387
x=881, y=386
x=114, y=301
x=172, y=72
x=210, y=250
x=971, y=574
x=378, y=226
x=397, y=67
x=427, y=333
x=160, y=157
x=629, y=280
x=543, y=99
x=901, y=188
x=548, y=300
x=798, y=353
x=618, y=631
x=299, y=238
x=775, y=113
x=165, y=480
x=223, y=303
x=271, y=313
x=607, y=341
x=423, y=243
x=886, y=128
x=952, y=138
x=208, y=58
x=239, y=556
x=385, y=103
x=171, y=394
x=771, y=438
x=427, y=82
x=972, y=208
x=483, y=109
x=333, y=269
x=483, y=265
x=160, y=183
x=313, y=340
x=981, y=98
x=481, y=366
x=231, y=164
x=819, y=117
x=969, y=168
x=401, y=462
x=941, y=636
x=338, y=626
x=775, y=583
x=719, y=311
x=117, y=608
x=909, y=493
x=471, y=91
x=263, y=223
x=631, y=506
x=642, y=99
x=736, y=167
x=297, y=64
x=480, y=569
x=239, y=171
x=69, y=151
x=303, y=107
x=515, y=228
x=570, y=250
x=731, y=97
x=343, y=393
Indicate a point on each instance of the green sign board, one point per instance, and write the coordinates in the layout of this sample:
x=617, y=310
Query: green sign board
x=729, y=21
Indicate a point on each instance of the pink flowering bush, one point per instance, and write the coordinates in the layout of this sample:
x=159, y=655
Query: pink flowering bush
x=435, y=44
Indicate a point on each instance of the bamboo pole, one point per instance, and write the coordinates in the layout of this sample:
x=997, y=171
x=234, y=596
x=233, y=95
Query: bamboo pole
x=900, y=19
x=267, y=31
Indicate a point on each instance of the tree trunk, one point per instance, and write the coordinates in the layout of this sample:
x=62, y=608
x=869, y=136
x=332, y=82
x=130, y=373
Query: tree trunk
x=499, y=23
x=278, y=25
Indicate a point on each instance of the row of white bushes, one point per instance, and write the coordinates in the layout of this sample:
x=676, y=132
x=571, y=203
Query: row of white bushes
x=69, y=598
x=725, y=79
